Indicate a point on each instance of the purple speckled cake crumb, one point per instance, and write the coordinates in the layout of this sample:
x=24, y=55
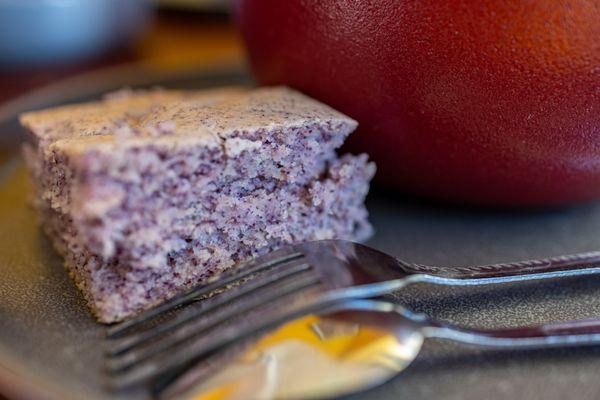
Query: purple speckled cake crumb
x=147, y=193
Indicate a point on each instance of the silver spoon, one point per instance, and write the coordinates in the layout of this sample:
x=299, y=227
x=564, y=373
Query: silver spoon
x=360, y=344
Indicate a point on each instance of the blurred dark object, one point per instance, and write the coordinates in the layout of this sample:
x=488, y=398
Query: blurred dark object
x=204, y=6
x=39, y=33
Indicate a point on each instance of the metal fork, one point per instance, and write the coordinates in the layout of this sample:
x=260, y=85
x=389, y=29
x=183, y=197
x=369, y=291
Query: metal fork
x=283, y=285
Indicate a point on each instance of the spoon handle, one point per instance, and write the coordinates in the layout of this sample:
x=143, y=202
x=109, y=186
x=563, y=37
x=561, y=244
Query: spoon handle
x=569, y=333
x=562, y=265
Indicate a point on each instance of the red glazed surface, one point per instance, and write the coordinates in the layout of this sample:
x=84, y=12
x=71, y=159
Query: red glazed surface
x=492, y=102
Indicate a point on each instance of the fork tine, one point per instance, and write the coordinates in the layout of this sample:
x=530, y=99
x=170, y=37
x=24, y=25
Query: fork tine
x=128, y=343
x=188, y=360
x=204, y=289
x=136, y=357
x=143, y=372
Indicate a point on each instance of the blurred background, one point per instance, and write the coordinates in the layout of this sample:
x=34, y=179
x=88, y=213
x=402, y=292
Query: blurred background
x=55, y=51
x=42, y=41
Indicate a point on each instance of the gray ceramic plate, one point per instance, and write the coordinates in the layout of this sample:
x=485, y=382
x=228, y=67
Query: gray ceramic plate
x=50, y=345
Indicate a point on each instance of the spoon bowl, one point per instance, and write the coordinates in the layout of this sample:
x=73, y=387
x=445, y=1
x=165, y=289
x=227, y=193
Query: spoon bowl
x=318, y=356
x=355, y=346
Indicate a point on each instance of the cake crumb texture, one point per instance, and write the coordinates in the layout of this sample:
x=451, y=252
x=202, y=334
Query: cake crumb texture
x=145, y=193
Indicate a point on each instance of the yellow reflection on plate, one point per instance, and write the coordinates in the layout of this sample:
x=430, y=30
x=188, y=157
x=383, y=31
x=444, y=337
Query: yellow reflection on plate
x=310, y=357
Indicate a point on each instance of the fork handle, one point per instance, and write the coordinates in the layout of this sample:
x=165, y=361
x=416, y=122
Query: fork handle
x=570, y=333
x=565, y=264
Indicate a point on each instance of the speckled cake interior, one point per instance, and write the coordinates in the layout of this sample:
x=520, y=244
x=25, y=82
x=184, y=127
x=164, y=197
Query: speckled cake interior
x=146, y=193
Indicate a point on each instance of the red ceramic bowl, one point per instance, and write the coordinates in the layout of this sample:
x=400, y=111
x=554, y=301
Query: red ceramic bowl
x=492, y=102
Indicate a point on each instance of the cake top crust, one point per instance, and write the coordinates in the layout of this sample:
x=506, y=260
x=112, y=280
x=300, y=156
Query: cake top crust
x=205, y=116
